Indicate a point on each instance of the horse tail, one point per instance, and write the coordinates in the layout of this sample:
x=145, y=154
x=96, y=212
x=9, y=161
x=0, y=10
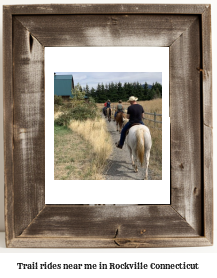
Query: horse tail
x=140, y=145
x=122, y=117
x=109, y=111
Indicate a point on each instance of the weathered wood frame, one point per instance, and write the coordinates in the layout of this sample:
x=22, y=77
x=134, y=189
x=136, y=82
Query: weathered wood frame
x=188, y=220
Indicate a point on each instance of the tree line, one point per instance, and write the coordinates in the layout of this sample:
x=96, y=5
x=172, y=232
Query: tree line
x=118, y=91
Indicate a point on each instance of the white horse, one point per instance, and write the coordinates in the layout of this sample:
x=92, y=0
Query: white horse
x=139, y=144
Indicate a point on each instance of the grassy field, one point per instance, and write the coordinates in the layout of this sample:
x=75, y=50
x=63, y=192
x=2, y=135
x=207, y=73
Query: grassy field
x=72, y=158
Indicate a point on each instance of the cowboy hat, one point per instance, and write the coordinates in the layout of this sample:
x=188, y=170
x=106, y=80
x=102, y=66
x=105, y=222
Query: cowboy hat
x=132, y=99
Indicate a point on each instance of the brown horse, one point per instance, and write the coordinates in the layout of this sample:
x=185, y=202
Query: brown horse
x=109, y=114
x=104, y=110
x=120, y=120
x=113, y=113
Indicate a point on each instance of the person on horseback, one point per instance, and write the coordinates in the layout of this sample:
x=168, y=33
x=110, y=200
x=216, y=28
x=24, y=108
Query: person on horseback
x=135, y=113
x=108, y=108
x=108, y=105
x=104, y=108
x=119, y=108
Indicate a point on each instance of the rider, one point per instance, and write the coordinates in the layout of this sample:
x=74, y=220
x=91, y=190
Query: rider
x=104, y=108
x=119, y=108
x=135, y=113
x=108, y=105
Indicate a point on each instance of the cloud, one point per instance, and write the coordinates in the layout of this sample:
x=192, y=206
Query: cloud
x=93, y=78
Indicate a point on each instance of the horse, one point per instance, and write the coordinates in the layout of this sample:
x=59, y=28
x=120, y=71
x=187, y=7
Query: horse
x=113, y=113
x=139, y=143
x=104, y=111
x=109, y=113
x=120, y=120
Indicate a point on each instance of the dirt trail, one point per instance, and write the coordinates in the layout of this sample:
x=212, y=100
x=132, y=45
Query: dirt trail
x=119, y=163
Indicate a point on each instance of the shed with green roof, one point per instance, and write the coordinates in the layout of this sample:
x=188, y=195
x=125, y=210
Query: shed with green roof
x=63, y=85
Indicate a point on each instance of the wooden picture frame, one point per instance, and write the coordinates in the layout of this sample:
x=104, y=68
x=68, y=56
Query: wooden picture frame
x=186, y=30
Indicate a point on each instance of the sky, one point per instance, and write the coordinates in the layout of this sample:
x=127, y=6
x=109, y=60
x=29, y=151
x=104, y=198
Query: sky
x=93, y=78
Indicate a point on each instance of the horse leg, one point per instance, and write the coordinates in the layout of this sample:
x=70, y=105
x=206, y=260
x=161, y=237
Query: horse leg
x=135, y=166
x=121, y=125
x=109, y=115
x=134, y=160
x=131, y=156
x=147, y=156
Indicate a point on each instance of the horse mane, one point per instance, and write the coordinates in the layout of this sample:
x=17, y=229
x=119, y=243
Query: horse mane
x=140, y=145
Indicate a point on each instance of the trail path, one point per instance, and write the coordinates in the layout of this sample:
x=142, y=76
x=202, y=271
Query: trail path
x=119, y=163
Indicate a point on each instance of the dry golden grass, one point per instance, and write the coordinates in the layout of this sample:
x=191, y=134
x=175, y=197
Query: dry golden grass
x=57, y=114
x=150, y=106
x=95, y=132
x=156, y=153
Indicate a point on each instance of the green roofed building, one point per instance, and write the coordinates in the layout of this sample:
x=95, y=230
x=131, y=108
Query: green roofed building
x=63, y=85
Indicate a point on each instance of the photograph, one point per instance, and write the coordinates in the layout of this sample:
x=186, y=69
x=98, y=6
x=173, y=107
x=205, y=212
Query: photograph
x=104, y=128
x=107, y=125
x=108, y=137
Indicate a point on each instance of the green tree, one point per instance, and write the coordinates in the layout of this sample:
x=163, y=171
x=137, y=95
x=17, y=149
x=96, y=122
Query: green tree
x=145, y=91
x=139, y=91
x=106, y=92
x=112, y=92
x=131, y=89
x=78, y=93
x=87, y=91
x=93, y=93
x=102, y=95
x=58, y=100
x=98, y=92
x=126, y=91
x=157, y=87
x=119, y=91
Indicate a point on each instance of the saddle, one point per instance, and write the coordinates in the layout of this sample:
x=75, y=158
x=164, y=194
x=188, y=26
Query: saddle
x=132, y=126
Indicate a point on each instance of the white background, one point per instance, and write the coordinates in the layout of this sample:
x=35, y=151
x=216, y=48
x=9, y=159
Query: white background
x=206, y=256
x=139, y=59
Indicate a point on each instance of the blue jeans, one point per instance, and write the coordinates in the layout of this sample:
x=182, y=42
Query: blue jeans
x=124, y=130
